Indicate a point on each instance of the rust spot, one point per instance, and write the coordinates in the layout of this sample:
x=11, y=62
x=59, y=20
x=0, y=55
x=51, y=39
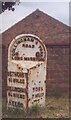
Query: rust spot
x=39, y=81
x=22, y=68
x=45, y=81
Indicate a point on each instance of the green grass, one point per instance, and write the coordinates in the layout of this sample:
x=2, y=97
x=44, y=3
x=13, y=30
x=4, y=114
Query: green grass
x=55, y=108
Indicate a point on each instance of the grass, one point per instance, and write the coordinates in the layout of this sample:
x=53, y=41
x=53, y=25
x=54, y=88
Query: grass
x=55, y=108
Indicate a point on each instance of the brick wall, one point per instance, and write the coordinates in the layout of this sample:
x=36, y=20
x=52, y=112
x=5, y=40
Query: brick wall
x=58, y=69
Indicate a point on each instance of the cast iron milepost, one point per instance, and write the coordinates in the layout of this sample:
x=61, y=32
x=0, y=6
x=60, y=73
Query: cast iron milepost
x=27, y=59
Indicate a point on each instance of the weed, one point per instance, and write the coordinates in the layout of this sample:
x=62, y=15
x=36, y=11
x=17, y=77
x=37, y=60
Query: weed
x=35, y=109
